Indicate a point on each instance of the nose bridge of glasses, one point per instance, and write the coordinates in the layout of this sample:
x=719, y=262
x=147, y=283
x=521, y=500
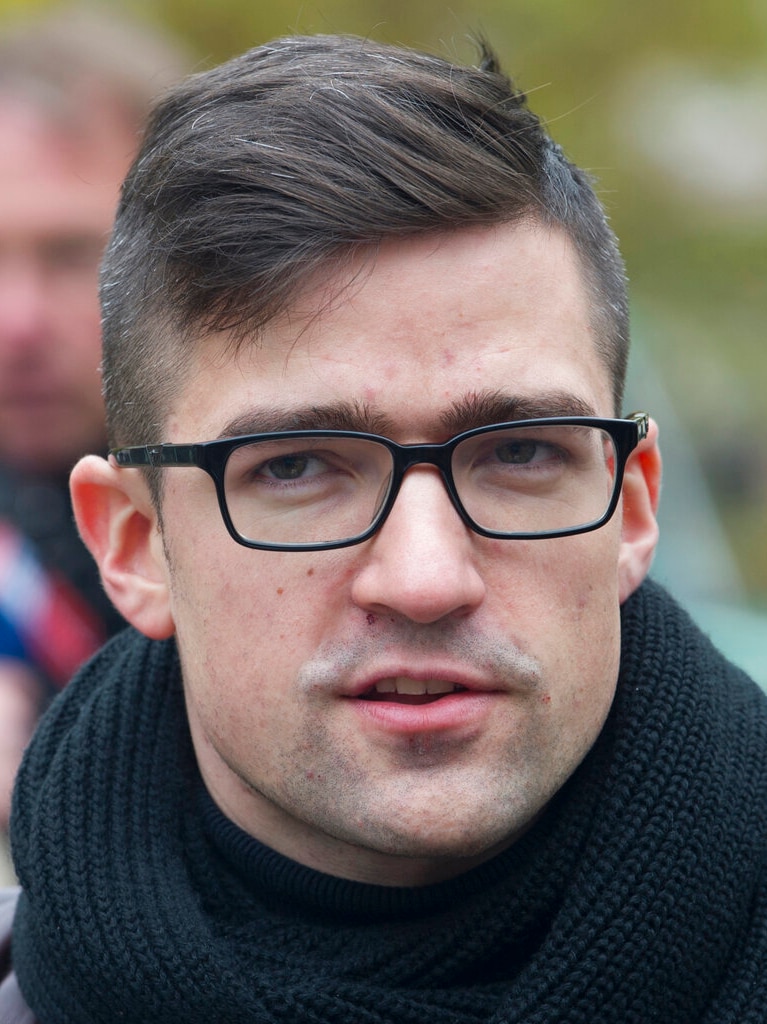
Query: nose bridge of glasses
x=437, y=456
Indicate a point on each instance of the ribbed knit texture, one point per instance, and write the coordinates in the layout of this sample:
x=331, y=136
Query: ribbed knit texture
x=639, y=897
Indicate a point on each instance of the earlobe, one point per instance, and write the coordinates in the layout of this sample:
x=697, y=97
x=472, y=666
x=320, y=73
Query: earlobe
x=118, y=523
x=639, y=533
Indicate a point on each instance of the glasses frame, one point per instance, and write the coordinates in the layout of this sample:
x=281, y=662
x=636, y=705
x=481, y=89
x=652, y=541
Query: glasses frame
x=212, y=456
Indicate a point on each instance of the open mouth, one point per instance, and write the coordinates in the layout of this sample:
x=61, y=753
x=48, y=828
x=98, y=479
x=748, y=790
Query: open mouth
x=403, y=690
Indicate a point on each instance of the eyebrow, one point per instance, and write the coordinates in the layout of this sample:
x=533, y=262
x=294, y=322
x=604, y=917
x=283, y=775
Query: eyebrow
x=335, y=416
x=477, y=409
x=482, y=408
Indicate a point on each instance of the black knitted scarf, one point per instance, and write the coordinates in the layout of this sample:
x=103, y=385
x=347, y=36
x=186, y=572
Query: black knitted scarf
x=639, y=897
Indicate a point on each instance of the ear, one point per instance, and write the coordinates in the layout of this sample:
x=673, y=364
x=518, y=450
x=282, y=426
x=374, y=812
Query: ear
x=119, y=525
x=639, y=533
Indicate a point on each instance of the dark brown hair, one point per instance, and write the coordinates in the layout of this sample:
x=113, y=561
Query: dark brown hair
x=296, y=156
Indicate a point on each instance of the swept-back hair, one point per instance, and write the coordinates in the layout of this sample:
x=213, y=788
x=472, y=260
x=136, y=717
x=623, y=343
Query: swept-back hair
x=299, y=155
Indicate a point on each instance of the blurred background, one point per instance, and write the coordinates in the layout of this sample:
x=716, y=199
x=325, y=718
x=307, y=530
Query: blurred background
x=666, y=105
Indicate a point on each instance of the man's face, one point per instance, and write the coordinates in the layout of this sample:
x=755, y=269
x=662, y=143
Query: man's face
x=289, y=659
x=58, y=191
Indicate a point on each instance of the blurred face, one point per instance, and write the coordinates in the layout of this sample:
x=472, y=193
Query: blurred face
x=399, y=710
x=57, y=198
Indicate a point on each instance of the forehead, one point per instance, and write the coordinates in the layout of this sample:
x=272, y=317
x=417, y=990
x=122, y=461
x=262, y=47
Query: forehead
x=52, y=173
x=426, y=325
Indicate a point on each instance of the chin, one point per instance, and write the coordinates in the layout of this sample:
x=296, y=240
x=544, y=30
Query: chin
x=471, y=840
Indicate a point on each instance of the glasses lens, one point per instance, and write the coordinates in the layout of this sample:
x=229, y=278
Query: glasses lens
x=307, y=490
x=531, y=480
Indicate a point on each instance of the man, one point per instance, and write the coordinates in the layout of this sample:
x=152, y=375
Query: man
x=402, y=733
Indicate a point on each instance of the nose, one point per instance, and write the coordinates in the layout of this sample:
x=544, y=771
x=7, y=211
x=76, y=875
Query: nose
x=24, y=307
x=421, y=563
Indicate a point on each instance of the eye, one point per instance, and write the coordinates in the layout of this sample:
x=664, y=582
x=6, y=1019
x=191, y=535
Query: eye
x=523, y=452
x=292, y=467
x=72, y=253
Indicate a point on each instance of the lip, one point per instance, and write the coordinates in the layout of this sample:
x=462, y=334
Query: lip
x=462, y=711
x=458, y=675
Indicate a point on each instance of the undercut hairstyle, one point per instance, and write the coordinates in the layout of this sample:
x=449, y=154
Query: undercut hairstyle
x=294, y=159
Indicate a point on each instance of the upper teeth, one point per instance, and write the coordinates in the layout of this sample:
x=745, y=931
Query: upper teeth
x=415, y=687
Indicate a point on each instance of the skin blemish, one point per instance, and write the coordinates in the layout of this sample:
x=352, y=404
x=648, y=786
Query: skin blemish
x=546, y=698
x=310, y=572
x=422, y=745
x=371, y=619
x=280, y=591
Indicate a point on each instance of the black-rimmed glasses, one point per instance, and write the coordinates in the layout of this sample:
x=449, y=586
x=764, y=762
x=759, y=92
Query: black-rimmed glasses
x=307, y=490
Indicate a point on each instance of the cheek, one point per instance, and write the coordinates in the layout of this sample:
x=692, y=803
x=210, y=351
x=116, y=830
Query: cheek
x=559, y=600
x=263, y=613
x=236, y=653
x=303, y=595
x=76, y=298
x=590, y=648
x=245, y=643
x=575, y=575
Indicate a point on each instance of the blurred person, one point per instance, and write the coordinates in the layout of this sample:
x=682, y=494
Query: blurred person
x=402, y=732
x=75, y=88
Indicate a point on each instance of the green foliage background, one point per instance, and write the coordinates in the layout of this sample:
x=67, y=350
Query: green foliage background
x=622, y=86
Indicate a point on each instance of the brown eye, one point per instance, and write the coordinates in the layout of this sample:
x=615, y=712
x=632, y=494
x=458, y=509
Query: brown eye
x=517, y=452
x=289, y=467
